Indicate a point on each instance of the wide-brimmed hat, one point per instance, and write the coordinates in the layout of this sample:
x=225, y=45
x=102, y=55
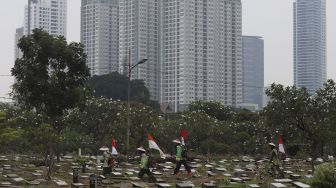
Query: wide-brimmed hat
x=141, y=149
x=177, y=141
x=271, y=144
x=104, y=148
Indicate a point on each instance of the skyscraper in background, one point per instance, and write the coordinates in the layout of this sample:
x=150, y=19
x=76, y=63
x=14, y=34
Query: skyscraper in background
x=253, y=70
x=50, y=15
x=18, y=35
x=100, y=35
x=201, y=52
x=139, y=32
x=310, y=44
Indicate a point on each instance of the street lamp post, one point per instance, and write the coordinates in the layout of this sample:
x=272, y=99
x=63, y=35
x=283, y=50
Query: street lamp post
x=130, y=68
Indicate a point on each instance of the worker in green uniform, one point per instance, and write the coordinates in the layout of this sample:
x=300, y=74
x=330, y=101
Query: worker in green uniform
x=275, y=160
x=181, y=158
x=144, y=165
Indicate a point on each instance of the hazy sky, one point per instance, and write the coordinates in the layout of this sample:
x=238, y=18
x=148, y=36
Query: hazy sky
x=271, y=19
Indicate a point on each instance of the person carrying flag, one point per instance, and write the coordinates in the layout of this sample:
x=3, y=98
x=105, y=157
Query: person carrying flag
x=144, y=165
x=181, y=158
x=275, y=160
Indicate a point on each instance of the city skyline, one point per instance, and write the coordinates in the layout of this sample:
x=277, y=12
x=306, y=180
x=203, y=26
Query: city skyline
x=277, y=51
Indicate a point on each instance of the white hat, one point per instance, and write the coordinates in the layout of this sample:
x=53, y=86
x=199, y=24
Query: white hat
x=104, y=148
x=177, y=141
x=271, y=144
x=141, y=149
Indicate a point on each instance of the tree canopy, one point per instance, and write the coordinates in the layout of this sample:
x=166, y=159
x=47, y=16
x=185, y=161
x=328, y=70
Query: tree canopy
x=51, y=74
x=114, y=86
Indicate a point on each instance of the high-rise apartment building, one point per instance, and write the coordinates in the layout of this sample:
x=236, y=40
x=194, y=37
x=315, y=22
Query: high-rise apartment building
x=50, y=15
x=253, y=70
x=310, y=44
x=100, y=35
x=139, y=32
x=18, y=35
x=201, y=52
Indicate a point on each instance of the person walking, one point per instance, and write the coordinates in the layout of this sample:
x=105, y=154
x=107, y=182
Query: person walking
x=275, y=160
x=144, y=166
x=181, y=158
x=107, y=168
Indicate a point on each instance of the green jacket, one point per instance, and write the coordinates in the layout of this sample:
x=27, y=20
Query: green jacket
x=144, y=161
x=178, y=153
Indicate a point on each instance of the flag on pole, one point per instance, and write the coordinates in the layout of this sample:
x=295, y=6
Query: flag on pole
x=152, y=145
x=184, y=135
x=114, y=147
x=281, y=145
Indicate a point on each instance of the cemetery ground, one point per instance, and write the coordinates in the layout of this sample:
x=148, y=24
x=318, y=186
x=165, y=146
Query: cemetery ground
x=239, y=172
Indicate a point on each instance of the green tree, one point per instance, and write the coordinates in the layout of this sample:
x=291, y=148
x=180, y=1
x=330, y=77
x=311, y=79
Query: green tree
x=293, y=112
x=50, y=79
x=114, y=86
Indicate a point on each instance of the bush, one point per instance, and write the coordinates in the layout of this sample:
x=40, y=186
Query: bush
x=324, y=177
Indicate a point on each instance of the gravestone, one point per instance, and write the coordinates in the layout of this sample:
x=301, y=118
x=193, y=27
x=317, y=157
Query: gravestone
x=5, y=184
x=157, y=173
x=209, y=166
x=35, y=182
x=75, y=175
x=92, y=181
x=12, y=176
x=208, y=185
x=301, y=185
x=221, y=169
x=99, y=181
x=117, y=174
x=295, y=176
x=210, y=173
x=129, y=173
x=19, y=179
x=253, y=186
x=160, y=180
x=277, y=185
x=139, y=184
x=283, y=180
x=77, y=185
x=308, y=176
x=62, y=183
x=238, y=180
x=35, y=174
x=185, y=185
x=162, y=185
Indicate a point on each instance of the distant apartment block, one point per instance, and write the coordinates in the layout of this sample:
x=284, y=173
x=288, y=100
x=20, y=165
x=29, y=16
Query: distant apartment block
x=253, y=70
x=18, y=35
x=201, y=52
x=139, y=34
x=310, y=63
x=100, y=35
x=50, y=15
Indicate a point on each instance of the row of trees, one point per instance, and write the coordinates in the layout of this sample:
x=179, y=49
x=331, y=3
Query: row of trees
x=61, y=109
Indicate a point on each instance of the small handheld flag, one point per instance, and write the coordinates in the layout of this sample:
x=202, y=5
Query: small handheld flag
x=183, y=135
x=281, y=145
x=152, y=145
x=114, y=147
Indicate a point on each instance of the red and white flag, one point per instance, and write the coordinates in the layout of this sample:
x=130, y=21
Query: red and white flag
x=281, y=145
x=152, y=145
x=184, y=135
x=114, y=147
